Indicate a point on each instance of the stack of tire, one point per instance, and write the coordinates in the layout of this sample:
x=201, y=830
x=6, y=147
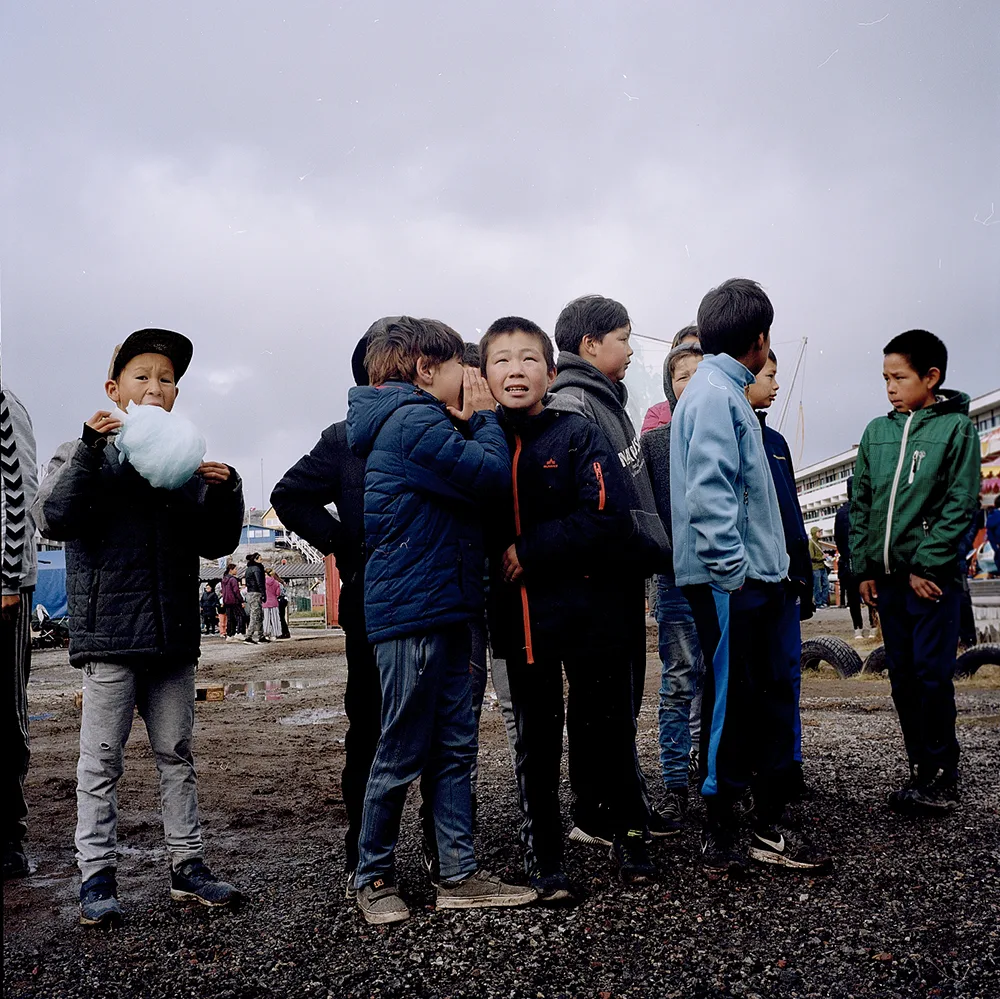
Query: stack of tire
x=846, y=661
x=966, y=664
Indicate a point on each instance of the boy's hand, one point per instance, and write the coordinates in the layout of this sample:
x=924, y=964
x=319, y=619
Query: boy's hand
x=103, y=422
x=868, y=592
x=512, y=569
x=924, y=588
x=213, y=471
x=476, y=396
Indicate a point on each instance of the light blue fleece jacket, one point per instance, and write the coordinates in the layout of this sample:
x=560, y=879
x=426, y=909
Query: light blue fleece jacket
x=726, y=520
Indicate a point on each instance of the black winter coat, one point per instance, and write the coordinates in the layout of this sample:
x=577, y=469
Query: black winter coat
x=569, y=518
x=330, y=473
x=132, y=554
x=254, y=577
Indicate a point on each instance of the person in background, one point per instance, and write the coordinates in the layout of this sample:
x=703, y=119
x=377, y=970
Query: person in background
x=20, y=573
x=256, y=591
x=993, y=532
x=798, y=588
x=282, y=607
x=849, y=584
x=658, y=415
x=683, y=667
x=232, y=602
x=209, y=609
x=272, y=620
x=820, y=572
x=916, y=488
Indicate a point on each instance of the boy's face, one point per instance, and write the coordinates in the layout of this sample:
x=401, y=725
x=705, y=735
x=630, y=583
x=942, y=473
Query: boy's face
x=765, y=389
x=610, y=355
x=147, y=380
x=684, y=368
x=516, y=374
x=442, y=379
x=908, y=391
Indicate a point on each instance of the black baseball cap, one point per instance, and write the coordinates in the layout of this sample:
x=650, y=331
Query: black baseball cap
x=176, y=346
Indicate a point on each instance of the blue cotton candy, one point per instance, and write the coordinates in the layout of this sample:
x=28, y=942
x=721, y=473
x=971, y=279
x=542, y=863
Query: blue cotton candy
x=165, y=449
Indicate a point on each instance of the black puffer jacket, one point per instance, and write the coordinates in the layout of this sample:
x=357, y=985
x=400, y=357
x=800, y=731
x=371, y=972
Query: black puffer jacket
x=132, y=554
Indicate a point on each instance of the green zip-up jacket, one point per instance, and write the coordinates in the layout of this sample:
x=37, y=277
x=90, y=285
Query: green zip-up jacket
x=916, y=487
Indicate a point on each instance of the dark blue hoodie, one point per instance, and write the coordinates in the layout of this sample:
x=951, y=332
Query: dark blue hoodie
x=425, y=488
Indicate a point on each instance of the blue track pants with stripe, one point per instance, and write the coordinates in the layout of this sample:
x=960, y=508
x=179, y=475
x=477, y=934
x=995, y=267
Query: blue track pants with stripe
x=749, y=705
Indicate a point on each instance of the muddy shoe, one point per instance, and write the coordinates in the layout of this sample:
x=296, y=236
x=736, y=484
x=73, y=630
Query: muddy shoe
x=194, y=882
x=788, y=849
x=553, y=889
x=720, y=854
x=380, y=903
x=630, y=859
x=99, y=900
x=482, y=890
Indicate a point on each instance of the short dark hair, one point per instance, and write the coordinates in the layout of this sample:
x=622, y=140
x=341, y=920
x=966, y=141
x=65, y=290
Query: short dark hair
x=732, y=316
x=393, y=351
x=470, y=355
x=772, y=357
x=922, y=351
x=682, y=334
x=516, y=324
x=591, y=315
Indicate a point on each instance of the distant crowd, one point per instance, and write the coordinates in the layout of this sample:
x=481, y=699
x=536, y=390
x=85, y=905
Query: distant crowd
x=497, y=512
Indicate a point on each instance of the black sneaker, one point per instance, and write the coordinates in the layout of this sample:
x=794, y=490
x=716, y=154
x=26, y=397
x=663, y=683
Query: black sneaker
x=719, y=852
x=936, y=797
x=786, y=848
x=429, y=858
x=694, y=766
x=630, y=858
x=553, y=889
x=194, y=882
x=900, y=799
x=659, y=825
x=673, y=810
x=591, y=835
x=250, y=641
x=99, y=900
x=380, y=903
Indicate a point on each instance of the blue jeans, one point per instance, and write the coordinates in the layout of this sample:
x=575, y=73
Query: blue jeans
x=680, y=683
x=821, y=587
x=428, y=727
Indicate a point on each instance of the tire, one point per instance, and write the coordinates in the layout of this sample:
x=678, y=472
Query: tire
x=875, y=663
x=980, y=655
x=834, y=651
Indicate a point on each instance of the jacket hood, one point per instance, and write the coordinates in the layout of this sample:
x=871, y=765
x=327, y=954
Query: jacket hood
x=575, y=372
x=948, y=401
x=368, y=409
x=681, y=350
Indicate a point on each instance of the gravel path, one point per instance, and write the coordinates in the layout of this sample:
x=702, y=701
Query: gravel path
x=913, y=909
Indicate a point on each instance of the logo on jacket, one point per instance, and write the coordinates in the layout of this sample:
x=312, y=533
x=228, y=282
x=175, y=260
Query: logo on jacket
x=551, y=463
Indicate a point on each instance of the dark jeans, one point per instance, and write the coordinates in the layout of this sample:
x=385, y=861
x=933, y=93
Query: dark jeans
x=851, y=588
x=601, y=731
x=749, y=704
x=427, y=728
x=920, y=641
x=17, y=656
x=234, y=614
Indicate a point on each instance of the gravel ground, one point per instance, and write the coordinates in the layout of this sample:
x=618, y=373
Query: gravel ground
x=912, y=909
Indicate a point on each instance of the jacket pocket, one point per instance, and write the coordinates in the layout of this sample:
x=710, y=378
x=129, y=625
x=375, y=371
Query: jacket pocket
x=92, y=597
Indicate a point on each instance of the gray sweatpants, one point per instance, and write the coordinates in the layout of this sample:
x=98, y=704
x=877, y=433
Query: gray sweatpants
x=165, y=701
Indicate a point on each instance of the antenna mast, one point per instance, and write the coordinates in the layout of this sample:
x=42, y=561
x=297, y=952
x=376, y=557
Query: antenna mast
x=791, y=386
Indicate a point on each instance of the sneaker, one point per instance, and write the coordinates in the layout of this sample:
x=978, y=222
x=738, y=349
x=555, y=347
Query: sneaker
x=673, y=810
x=694, y=766
x=380, y=903
x=938, y=797
x=15, y=862
x=592, y=836
x=553, y=889
x=481, y=890
x=659, y=825
x=630, y=859
x=350, y=892
x=194, y=882
x=429, y=858
x=719, y=852
x=900, y=799
x=859, y=633
x=250, y=641
x=787, y=849
x=99, y=900
x=264, y=639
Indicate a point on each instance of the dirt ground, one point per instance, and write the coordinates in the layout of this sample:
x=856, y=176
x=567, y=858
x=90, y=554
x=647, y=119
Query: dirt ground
x=913, y=908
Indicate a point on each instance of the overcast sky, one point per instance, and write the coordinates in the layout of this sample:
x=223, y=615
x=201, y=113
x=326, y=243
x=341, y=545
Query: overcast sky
x=269, y=178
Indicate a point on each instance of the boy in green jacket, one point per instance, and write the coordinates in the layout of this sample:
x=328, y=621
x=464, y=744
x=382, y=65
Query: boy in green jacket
x=916, y=487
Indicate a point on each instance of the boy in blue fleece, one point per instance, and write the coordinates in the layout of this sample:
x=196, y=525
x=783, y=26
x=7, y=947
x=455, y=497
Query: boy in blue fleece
x=730, y=559
x=424, y=486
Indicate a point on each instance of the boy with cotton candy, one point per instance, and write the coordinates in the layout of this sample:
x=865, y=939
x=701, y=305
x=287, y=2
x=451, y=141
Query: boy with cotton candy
x=132, y=578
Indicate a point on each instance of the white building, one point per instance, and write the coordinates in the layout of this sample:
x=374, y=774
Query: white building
x=822, y=486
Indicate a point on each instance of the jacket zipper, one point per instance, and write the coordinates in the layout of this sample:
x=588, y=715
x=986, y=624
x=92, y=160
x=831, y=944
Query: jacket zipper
x=601, y=494
x=517, y=530
x=895, y=487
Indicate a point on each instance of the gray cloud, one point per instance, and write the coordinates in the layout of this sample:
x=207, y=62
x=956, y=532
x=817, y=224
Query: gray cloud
x=270, y=179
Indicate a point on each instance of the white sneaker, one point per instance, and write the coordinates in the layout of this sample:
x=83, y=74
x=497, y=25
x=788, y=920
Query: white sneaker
x=859, y=633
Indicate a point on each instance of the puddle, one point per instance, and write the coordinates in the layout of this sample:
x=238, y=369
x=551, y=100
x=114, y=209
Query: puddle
x=311, y=716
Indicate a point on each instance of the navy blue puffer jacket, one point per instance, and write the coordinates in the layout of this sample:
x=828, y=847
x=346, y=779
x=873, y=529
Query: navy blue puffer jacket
x=425, y=489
